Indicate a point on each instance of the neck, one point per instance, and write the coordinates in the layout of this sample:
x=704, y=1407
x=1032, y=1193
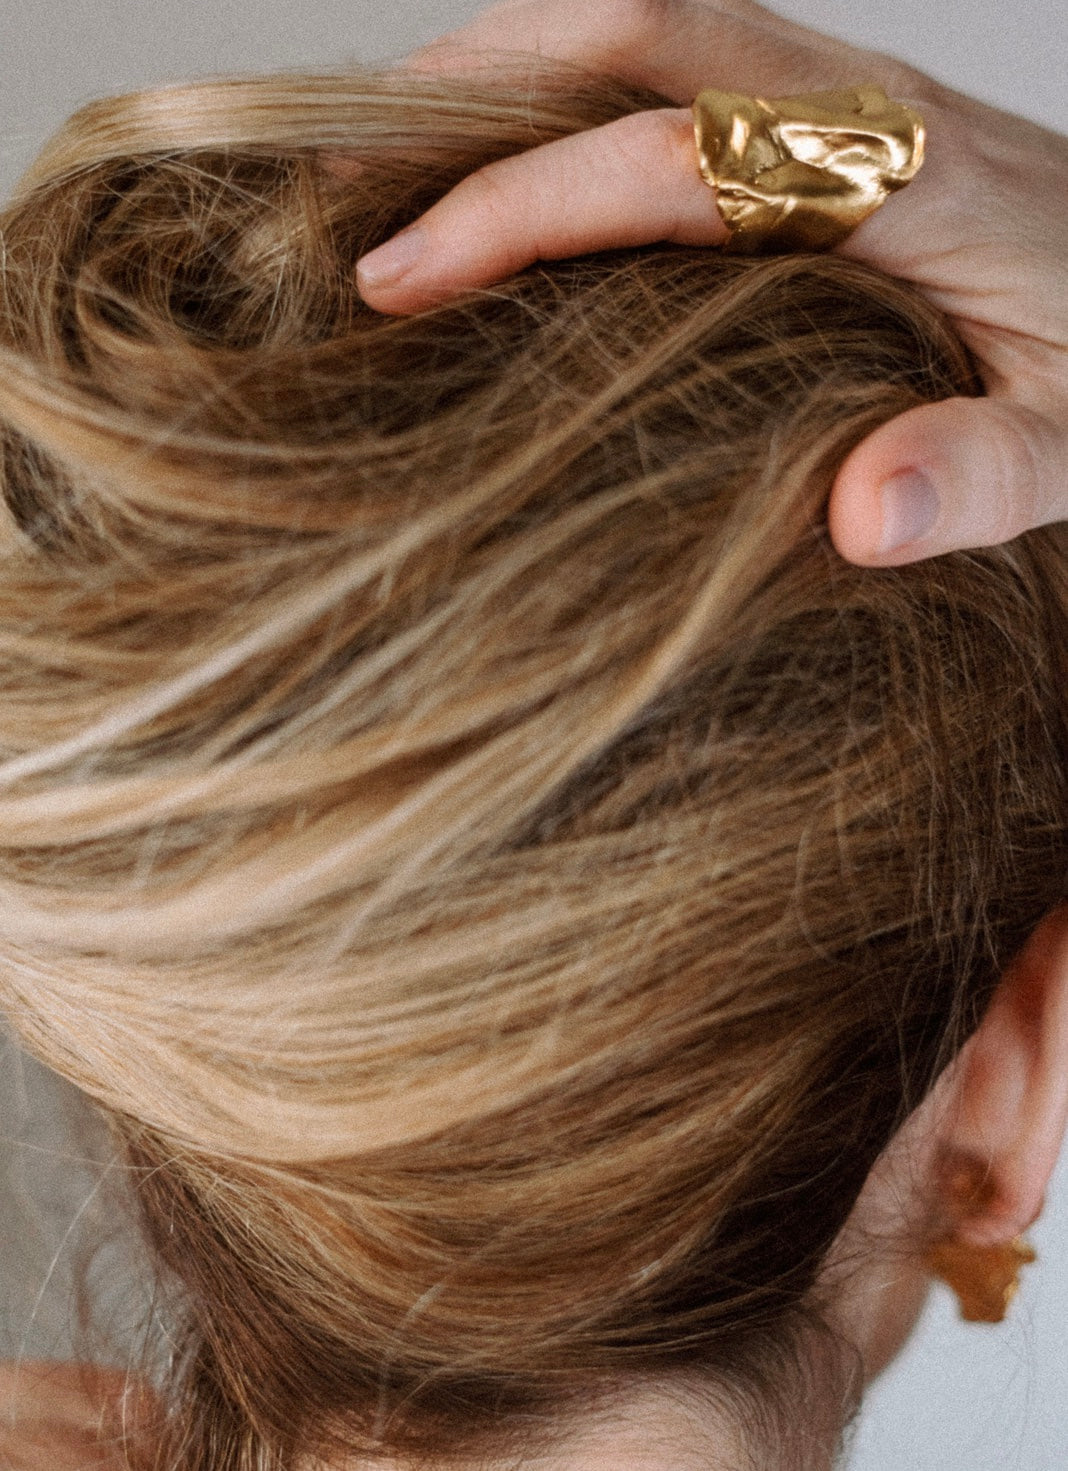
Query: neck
x=684, y=1423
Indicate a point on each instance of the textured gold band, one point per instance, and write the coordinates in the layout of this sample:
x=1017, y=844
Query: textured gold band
x=801, y=173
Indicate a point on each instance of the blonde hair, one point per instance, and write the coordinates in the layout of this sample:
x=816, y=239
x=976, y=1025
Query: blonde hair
x=506, y=878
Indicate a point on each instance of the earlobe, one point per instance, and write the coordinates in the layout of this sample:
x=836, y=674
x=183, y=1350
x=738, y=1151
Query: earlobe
x=1007, y=1118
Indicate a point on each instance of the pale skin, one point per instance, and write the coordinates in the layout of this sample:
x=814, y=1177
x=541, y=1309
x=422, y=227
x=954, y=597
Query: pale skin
x=982, y=231
x=65, y=1417
x=1002, y=1106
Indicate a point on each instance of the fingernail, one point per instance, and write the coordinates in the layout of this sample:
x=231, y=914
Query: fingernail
x=389, y=262
x=910, y=509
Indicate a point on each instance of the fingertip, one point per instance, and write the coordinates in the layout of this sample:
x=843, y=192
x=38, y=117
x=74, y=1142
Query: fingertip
x=854, y=519
x=422, y=267
x=388, y=302
x=892, y=502
x=887, y=521
x=384, y=275
x=404, y=299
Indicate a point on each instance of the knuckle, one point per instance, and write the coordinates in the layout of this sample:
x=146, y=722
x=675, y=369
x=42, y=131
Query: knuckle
x=628, y=27
x=509, y=205
x=489, y=195
x=644, y=144
x=1015, y=446
x=905, y=82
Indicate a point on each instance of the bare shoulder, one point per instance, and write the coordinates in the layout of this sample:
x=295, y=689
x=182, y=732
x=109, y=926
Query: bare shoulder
x=66, y=1417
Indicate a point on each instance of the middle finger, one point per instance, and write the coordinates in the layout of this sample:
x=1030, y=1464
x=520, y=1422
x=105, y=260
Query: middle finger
x=674, y=47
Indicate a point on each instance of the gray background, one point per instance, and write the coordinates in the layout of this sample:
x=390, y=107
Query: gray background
x=961, y=1398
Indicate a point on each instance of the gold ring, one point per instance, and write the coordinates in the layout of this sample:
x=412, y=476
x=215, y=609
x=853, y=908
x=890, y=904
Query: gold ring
x=801, y=173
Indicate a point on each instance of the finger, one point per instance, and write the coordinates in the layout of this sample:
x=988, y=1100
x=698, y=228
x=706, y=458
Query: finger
x=630, y=182
x=675, y=47
x=961, y=473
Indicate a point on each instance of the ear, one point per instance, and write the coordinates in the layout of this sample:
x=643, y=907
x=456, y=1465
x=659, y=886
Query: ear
x=1008, y=1110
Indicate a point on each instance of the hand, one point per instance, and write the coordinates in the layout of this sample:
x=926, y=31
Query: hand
x=982, y=230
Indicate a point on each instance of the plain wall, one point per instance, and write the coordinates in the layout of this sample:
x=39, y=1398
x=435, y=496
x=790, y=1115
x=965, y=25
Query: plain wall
x=961, y=1398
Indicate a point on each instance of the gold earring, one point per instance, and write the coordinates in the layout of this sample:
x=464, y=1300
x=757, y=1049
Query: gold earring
x=985, y=1278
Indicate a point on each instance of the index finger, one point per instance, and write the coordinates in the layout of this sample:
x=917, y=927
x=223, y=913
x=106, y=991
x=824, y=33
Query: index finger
x=630, y=182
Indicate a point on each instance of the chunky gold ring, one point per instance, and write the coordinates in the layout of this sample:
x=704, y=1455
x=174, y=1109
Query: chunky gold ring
x=801, y=173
